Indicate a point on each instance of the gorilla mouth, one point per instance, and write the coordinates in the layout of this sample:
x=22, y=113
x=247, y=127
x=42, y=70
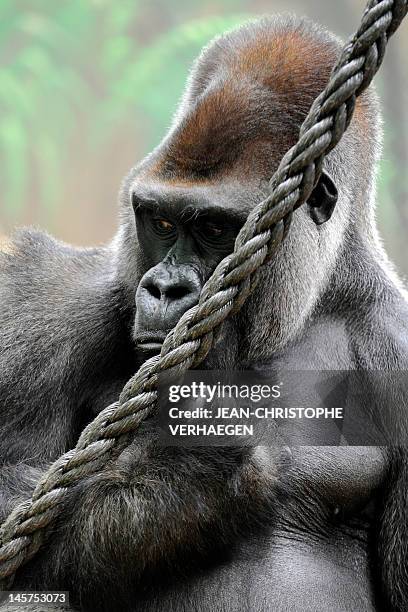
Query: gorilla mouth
x=150, y=341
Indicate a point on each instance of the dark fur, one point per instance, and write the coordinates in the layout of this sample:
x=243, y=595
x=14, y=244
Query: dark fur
x=205, y=529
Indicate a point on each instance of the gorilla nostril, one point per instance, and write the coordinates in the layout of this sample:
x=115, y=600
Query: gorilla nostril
x=171, y=293
x=153, y=290
x=177, y=292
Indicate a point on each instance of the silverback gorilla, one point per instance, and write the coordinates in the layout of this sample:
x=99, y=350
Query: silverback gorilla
x=214, y=529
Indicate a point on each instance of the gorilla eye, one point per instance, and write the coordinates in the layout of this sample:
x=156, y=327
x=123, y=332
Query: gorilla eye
x=163, y=227
x=217, y=234
x=213, y=230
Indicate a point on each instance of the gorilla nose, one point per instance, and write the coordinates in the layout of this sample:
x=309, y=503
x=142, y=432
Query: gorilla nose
x=170, y=291
x=164, y=294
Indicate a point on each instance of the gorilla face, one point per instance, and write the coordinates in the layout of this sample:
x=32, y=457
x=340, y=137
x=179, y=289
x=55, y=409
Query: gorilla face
x=184, y=231
x=183, y=237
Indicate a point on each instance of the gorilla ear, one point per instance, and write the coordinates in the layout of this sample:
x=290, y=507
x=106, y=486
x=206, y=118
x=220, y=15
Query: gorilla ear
x=323, y=200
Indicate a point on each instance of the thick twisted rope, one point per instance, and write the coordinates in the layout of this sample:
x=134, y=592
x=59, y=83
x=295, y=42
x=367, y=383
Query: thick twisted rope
x=223, y=295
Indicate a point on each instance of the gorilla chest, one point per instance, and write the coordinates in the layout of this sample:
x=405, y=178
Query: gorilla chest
x=312, y=556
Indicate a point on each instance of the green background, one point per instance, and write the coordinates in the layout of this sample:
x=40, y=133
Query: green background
x=88, y=87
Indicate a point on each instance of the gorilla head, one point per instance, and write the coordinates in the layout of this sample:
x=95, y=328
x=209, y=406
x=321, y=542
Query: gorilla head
x=245, y=101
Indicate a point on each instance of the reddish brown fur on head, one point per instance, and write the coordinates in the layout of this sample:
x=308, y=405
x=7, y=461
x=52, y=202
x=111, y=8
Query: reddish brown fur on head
x=253, y=85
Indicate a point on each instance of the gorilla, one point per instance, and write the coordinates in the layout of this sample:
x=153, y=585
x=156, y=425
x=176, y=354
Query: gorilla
x=241, y=528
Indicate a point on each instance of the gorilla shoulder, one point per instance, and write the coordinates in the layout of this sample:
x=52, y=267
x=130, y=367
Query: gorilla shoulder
x=38, y=268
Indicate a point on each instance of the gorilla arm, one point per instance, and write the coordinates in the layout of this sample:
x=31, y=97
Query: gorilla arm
x=157, y=513
x=57, y=311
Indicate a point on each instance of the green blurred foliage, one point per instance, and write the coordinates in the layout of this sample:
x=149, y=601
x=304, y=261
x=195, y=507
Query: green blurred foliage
x=82, y=56
x=87, y=87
